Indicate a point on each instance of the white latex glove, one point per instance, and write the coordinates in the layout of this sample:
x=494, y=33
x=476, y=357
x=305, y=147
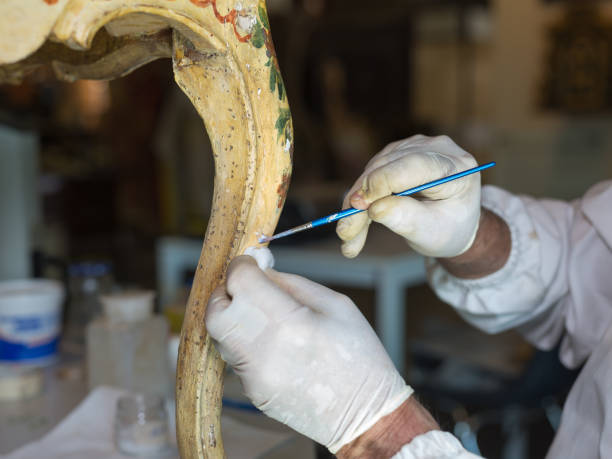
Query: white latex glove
x=305, y=354
x=439, y=222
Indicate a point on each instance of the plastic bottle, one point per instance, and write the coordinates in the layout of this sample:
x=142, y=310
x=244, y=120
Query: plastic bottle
x=127, y=346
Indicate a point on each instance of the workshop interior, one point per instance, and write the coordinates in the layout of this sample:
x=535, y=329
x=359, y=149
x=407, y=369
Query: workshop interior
x=106, y=190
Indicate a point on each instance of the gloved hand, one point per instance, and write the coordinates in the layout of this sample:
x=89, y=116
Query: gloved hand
x=305, y=354
x=439, y=222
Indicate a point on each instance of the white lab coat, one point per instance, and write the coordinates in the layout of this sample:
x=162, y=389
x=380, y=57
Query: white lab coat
x=555, y=287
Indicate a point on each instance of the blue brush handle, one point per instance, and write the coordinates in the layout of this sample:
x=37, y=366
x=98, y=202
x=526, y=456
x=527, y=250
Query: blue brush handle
x=352, y=211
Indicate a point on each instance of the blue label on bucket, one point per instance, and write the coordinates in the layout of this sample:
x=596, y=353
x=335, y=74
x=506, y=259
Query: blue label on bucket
x=20, y=352
x=25, y=338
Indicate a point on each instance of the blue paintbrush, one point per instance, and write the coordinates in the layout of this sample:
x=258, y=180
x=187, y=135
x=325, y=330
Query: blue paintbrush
x=352, y=211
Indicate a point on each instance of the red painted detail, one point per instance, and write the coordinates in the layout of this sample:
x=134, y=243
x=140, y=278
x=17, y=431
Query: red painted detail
x=50, y=2
x=229, y=17
x=282, y=189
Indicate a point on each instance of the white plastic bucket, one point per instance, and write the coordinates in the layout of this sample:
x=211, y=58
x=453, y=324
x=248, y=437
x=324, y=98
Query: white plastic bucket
x=30, y=319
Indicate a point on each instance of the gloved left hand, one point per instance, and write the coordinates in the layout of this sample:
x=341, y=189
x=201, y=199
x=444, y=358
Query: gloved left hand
x=305, y=354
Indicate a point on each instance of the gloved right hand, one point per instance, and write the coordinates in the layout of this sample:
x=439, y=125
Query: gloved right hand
x=439, y=222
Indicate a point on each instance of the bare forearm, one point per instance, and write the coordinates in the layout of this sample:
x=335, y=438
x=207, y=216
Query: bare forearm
x=391, y=432
x=488, y=253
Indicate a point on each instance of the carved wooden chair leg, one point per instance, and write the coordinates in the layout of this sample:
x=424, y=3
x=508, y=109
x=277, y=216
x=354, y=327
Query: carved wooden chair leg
x=224, y=60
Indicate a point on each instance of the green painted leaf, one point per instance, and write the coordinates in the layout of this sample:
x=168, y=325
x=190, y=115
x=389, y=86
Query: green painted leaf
x=258, y=36
x=281, y=87
x=282, y=120
x=264, y=17
x=272, y=79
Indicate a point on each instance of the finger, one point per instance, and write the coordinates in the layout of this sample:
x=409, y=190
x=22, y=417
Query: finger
x=390, y=153
x=423, y=224
x=417, y=145
x=404, y=173
x=218, y=301
x=379, y=157
x=247, y=283
x=242, y=272
x=225, y=323
x=397, y=213
x=311, y=294
x=348, y=228
x=238, y=323
x=445, y=145
x=351, y=248
x=397, y=149
x=346, y=203
x=236, y=329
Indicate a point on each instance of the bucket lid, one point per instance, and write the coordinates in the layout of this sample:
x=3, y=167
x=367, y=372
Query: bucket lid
x=22, y=288
x=128, y=306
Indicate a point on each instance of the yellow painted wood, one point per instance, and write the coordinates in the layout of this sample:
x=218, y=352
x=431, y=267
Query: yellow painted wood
x=223, y=59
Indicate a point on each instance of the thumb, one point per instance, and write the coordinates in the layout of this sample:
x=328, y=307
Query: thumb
x=216, y=321
x=235, y=325
x=223, y=326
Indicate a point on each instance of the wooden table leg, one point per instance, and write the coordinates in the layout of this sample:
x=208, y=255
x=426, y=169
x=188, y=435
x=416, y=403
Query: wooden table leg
x=224, y=60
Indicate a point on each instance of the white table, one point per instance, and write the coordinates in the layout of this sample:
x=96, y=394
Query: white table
x=386, y=264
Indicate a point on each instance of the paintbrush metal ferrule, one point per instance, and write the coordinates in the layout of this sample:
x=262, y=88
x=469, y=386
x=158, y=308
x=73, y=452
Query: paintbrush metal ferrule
x=297, y=229
x=351, y=211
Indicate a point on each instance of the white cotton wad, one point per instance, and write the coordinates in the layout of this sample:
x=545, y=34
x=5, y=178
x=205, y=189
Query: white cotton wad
x=263, y=256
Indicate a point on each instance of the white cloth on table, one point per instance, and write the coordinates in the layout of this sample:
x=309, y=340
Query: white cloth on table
x=87, y=432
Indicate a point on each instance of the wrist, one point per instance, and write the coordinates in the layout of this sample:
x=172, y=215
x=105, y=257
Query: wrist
x=487, y=254
x=391, y=432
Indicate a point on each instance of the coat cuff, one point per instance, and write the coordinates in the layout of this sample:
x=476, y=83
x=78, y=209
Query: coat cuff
x=434, y=444
x=508, y=297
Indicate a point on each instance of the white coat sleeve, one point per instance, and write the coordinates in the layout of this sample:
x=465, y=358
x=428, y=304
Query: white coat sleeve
x=556, y=282
x=434, y=444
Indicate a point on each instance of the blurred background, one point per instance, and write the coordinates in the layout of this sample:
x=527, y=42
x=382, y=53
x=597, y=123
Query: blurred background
x=109, y=184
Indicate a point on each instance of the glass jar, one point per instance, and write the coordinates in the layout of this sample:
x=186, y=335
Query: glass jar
x=141, y=425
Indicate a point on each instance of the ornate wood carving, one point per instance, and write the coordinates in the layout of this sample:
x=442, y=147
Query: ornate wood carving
x=224, y=61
